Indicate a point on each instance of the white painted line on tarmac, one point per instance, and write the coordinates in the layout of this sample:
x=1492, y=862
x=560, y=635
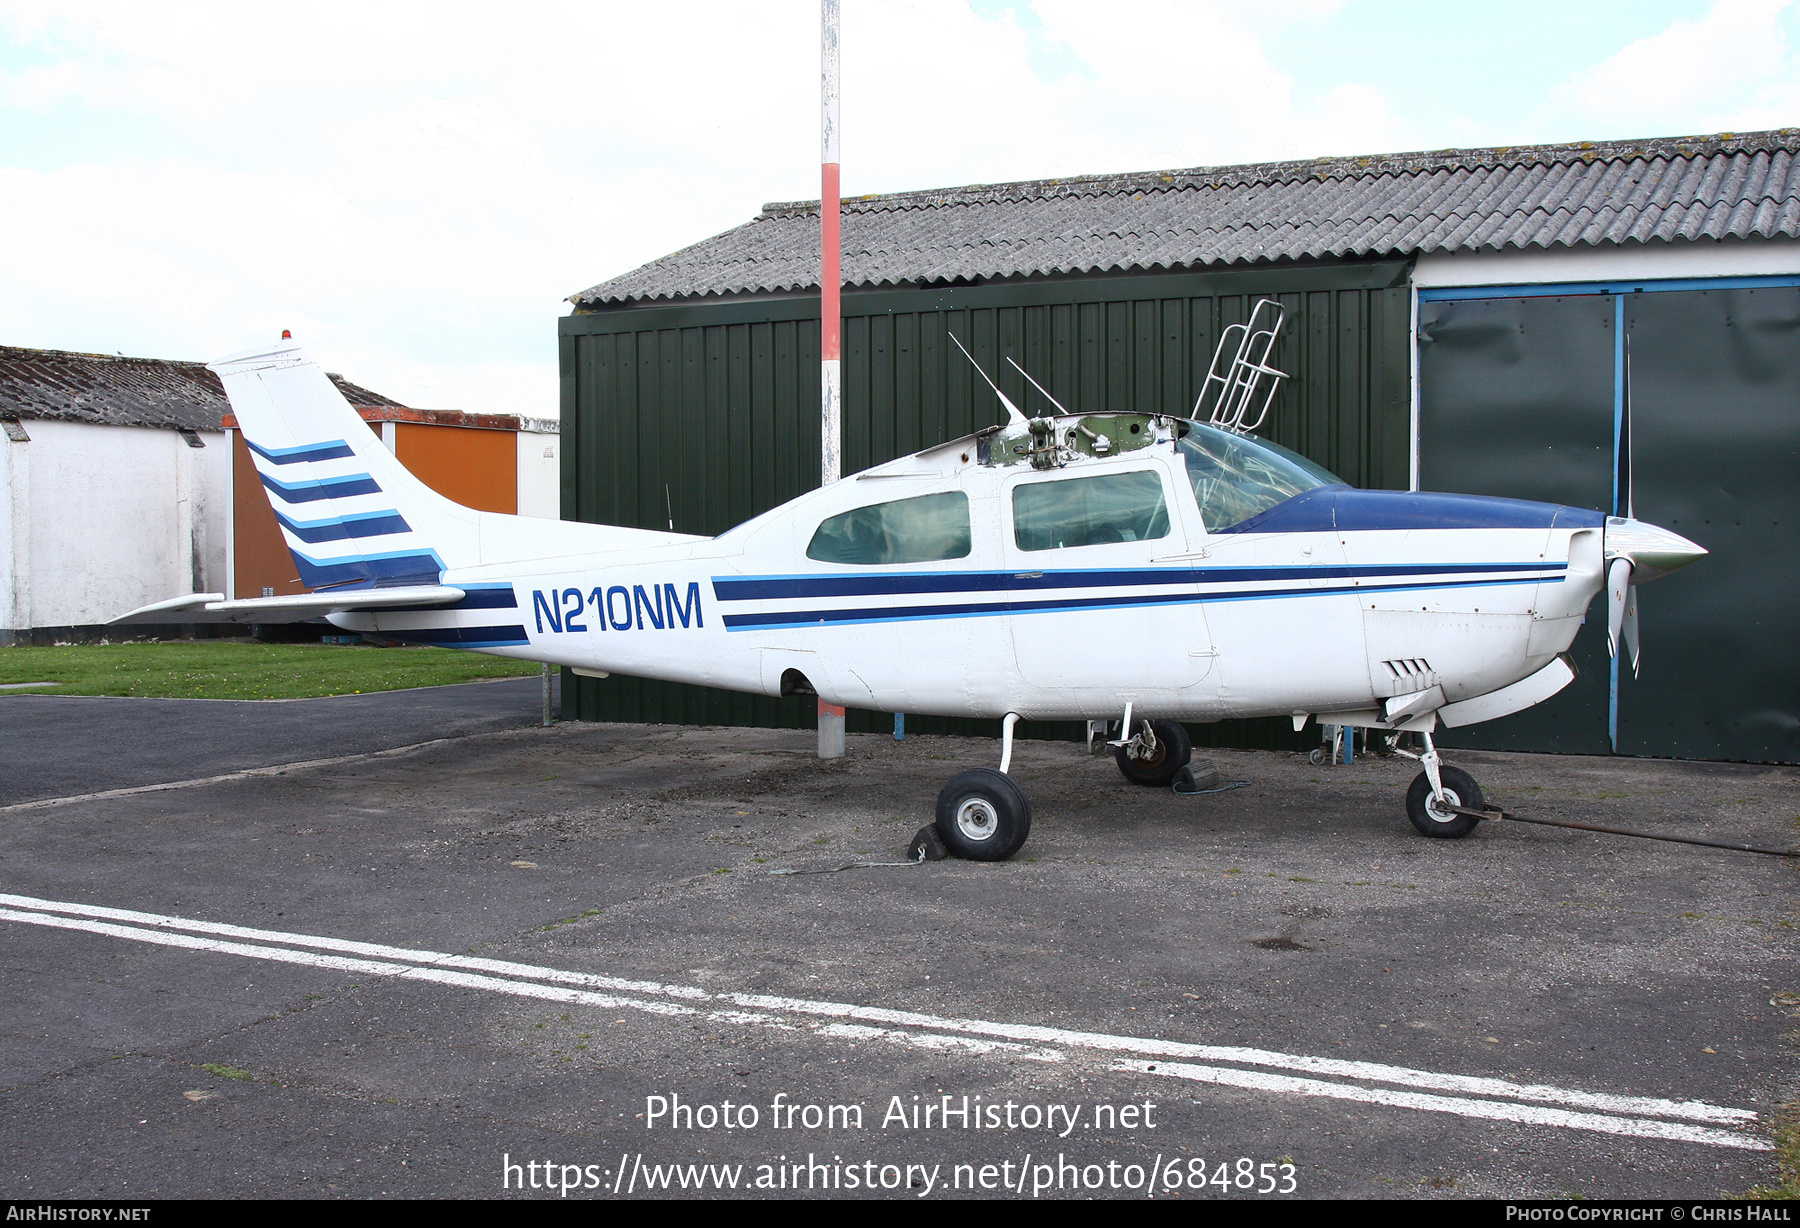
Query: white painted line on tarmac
x=1493, y=1110
x=956, y=1044
x=1373, y=1071
x=272, y=770
x=1622, y=1114
x=368, y=967
x=375, y=950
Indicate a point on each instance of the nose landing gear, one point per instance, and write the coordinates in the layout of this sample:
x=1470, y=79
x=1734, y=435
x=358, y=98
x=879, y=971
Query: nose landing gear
x=1426, y=811
x=1437, y=788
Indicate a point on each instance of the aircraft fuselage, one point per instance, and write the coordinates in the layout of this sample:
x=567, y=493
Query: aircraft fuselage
x=1333, y=600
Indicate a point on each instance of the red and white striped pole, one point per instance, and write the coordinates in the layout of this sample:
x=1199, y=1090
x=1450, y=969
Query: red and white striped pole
x=831, y=717
x=830, y=278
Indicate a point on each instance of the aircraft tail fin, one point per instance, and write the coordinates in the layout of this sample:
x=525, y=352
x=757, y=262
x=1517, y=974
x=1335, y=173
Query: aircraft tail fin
x=350, y=512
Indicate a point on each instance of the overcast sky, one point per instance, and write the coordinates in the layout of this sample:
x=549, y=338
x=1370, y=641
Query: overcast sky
x=414, y=189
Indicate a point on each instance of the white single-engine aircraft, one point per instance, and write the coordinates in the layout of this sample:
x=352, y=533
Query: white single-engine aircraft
x=1132, y=570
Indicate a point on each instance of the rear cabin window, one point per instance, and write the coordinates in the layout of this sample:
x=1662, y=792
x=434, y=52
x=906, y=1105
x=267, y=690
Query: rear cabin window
x=919, y=530
x=1101, y=510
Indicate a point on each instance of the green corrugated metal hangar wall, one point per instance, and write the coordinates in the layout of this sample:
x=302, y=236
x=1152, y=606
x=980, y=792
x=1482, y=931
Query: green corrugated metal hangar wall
x=701, y=416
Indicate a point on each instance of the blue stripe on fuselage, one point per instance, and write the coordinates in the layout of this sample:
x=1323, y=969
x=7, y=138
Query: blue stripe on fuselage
x=877, y=614
x=779, y=588
x=331, y=449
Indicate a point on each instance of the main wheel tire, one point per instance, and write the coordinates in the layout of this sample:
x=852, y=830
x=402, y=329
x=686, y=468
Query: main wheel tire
x=1173, y=750
x=1460, y=789
x=983, y=815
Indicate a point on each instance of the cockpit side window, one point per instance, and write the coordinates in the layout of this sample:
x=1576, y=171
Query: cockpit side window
x=1237, y=476
x=1092, y=511
x=917, y=530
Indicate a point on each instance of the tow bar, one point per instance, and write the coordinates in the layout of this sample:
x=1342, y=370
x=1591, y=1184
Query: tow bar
x=1496, y=813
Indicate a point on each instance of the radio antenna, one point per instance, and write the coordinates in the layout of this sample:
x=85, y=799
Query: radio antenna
x=1038, y=386
x=1013, y=416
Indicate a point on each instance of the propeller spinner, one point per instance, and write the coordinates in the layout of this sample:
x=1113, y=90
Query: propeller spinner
x=1637, y=553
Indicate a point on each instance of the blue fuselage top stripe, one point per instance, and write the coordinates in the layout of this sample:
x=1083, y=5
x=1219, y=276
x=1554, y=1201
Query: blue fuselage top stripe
x=312, y=490
x=331, y=449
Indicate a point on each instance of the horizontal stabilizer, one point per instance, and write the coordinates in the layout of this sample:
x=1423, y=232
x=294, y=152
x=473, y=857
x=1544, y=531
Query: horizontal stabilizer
x=213, y=608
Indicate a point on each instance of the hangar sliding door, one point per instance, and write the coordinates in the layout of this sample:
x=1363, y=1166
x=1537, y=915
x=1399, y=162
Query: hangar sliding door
x=1524, y=392
x=1714, y=423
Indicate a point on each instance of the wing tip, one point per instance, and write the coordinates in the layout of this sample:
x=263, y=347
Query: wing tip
x=282, y=353
x=171, y=605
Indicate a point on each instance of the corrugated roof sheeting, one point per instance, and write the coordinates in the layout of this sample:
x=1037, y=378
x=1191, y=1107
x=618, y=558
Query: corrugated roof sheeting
x=113, y=390
x=1678, y=188
x=110, y=390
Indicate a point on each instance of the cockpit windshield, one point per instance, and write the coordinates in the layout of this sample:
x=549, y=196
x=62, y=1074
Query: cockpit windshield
x=1237, y=476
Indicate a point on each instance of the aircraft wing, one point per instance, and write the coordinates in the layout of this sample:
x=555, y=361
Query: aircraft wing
x=213, y=608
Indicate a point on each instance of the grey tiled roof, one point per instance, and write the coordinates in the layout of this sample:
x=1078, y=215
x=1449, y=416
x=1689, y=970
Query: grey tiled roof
x=118, y=391
x=1739, y=185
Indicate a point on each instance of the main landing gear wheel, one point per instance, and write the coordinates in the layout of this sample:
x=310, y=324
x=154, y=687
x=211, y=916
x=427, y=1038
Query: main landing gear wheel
x=1460, y=789
x=1173, y=750
x=983, y=815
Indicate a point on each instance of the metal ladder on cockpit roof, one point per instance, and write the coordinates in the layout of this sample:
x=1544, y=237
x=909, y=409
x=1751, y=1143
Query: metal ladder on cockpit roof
x=1232, y=388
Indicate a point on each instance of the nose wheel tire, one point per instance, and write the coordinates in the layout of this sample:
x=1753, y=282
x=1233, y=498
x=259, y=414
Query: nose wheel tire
x=983, y=815
x=1173, y=750
x=1460, y=789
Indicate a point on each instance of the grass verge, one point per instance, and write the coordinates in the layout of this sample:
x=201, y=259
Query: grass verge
x=1787, y=1160
x=226, y=669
